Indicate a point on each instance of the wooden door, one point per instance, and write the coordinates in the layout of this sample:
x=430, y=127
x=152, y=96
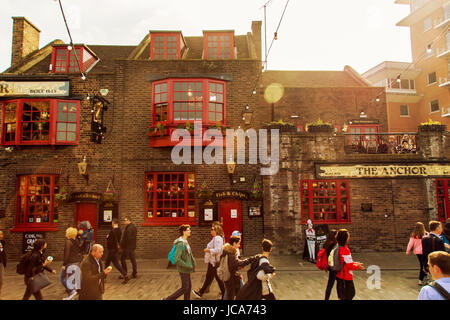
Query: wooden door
x=231, y=217
x=87, y=211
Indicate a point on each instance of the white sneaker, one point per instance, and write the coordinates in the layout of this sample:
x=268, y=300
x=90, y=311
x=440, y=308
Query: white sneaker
x=420, y=283
x=71, y=296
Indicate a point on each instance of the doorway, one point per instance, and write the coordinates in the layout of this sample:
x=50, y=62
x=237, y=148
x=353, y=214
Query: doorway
x=231, y=217
x=87, y=211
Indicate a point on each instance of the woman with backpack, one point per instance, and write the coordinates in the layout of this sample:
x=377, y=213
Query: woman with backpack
x=329, y=244
x=415, y=243
x=185, y=262
x=344, y=277
x=213, y=252
x=72, y=256
x=36, y=264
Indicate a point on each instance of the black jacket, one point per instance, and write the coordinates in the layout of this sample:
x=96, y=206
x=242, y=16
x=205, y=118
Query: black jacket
x=129, y=238
x=428, y=247
x=72, y=252
x=36, y=264
x=252, y=290
x=113, y=239
x=234, y=263
x=3, y=253
x=92, y=281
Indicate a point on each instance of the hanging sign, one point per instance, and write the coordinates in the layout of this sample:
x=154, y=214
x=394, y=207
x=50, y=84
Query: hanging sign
x=34, y=88
x=240, y=195
x=29, y=239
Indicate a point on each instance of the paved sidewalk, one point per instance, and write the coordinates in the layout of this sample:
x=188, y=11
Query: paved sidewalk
x=296, y=279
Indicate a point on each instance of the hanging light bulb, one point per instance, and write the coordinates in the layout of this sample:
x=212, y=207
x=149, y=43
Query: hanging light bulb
x=69, y=48
x=398, y=79
x=254, y=91
x=377, y=99
x=247, y=107
x=276, y=36
x=429, y=48
x=83, y=77
x=88, y=98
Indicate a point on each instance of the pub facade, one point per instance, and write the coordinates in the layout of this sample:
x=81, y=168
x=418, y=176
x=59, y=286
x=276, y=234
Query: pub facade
x=88, y=133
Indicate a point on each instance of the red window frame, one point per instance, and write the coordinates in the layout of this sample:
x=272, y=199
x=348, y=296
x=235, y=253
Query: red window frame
x=316, y=201
x=214, y=45
x=181, y=99
x=443, y=203
x=168, y=194
x=165, y=44
x=36, y=209
x=63, y=62
x=53, y=118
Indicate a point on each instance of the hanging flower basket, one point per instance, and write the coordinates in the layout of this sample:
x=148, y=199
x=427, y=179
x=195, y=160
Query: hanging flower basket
x=61, y=196
x=319, y=126
x=203, y=192
x=257, y=193
x=110, y=194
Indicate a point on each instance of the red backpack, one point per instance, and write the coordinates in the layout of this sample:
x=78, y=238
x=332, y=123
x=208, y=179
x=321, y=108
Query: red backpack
x=322, y=260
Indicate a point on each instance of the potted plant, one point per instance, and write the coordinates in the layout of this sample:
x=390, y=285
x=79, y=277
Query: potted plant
x=282, y=126
x=62, y=195
x=319, y=126
x=189, y=127
x=432, y=126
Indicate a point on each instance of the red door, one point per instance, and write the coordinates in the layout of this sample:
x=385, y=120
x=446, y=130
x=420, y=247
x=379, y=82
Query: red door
x=87, y=211
x=231, y=217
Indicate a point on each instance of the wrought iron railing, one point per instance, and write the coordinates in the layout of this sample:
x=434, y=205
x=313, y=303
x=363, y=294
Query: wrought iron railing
x=381, y=143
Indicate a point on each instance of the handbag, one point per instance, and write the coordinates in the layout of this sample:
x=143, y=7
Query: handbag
x=38, y=282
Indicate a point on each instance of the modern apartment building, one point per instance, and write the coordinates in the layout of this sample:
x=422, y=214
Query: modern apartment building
x=419, y=91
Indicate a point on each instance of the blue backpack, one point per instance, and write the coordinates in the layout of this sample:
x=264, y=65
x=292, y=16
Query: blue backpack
x=172, y=253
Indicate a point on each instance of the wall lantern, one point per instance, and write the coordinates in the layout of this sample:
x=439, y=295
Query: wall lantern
x=82, y=167
x=231, y=167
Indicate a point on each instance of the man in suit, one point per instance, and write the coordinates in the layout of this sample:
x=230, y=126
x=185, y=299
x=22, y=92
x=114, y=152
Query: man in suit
x=128, y=245
x=93, y=275
x=432, y=242
x=112, y=242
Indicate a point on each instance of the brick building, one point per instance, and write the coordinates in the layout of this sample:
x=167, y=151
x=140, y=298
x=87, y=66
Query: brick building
x=115, y=112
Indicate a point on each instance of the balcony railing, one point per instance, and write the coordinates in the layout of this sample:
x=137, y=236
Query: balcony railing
x=381, y=143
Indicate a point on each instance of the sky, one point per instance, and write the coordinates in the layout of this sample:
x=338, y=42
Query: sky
x=313, y=35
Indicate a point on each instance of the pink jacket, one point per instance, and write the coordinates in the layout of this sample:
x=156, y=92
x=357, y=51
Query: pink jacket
x=415, y=244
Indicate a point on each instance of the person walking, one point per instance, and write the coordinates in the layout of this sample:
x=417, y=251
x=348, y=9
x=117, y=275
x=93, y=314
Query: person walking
x=213, y=252
x=328, y=245
x=2, y=261
x=261, y=272
x=185, y=262
x=93, y=275
x=72, y=256
x=432, y=242
x=113, y=245
x=230, y=249
x=415, y=243
x=128, y=246
x=36, y=264
x=344, y=277
x=86, y=237
x=439, y=266
x=446, y=236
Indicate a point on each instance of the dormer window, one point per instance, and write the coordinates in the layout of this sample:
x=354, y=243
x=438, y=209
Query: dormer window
x=64, y=61
x=166, y=45
x=218, y=44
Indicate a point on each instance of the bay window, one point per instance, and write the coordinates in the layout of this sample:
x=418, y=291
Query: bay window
x=170, y=198
x=35, y=207
x=40, y=122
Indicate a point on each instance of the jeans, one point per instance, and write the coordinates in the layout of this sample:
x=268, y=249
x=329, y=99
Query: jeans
x=269, y=296
x=330, y=284
x=129, y=253
x=112, y=257
x=345, y=289
x=422, y=265
x=37, y=295
x=211, y=273
x=185, y=288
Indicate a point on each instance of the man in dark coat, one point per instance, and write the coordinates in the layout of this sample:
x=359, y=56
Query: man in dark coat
x=93, y=275
x=128, y=245
x=432, y=242
x=112, y=244
x=2, y=261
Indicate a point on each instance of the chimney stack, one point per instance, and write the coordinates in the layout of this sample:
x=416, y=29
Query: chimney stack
x=256, y=32
x=25, y=39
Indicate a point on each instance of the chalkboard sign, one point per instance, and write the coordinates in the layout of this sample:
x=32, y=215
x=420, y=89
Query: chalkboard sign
x=29, y=239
